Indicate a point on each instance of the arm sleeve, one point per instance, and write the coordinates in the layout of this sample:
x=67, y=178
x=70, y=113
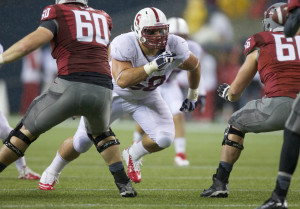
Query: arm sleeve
x=50, y=25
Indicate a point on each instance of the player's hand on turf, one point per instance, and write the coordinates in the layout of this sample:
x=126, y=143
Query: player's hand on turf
x=188, y=105
x=223, y=91
x=159, y=62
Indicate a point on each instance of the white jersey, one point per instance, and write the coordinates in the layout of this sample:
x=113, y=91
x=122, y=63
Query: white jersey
x=125, y=47
x=143, y=101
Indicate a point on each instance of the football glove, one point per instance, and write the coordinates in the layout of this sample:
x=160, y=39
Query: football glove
x=159, y=62
x=188, y=105
x=223, y=91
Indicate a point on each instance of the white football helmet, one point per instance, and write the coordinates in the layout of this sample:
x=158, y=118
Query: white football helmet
x=151, y=28
x=178, y=26
x=85, y=2
x=268, y=23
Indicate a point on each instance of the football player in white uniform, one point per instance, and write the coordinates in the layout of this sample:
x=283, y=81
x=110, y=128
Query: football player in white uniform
x=24, y=171
x=172, y=93
x=141, y=61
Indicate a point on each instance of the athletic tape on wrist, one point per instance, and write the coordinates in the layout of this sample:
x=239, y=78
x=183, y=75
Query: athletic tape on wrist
x=192, y=94
x=150, y=67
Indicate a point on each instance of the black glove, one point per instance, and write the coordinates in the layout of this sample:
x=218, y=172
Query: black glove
x=188, y=105
x=223, y=91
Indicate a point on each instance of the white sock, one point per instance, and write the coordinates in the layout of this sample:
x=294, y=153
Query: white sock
x=20, y=163
x=137, y=151
x=179, y=145
x=57, y=164
x=137, y=136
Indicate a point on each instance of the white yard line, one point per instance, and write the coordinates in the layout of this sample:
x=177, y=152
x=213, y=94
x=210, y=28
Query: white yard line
x=134, y=205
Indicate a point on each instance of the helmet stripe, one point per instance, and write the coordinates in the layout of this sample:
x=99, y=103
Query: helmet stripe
x=156, y=14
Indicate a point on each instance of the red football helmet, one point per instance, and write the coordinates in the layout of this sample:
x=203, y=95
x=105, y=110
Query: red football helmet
x=151, y=28
x=268, y=23
x=85, y=2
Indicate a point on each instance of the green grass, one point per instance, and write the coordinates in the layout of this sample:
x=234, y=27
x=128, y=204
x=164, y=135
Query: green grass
x=87, y=183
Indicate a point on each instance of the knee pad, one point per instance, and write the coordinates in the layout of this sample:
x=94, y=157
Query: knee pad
x=17, y=133
x=165, y=140
x=107, y=144
x=231, y=130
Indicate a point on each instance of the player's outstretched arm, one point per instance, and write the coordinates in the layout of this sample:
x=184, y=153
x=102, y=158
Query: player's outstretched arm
x=26, y=45
x=244, y=77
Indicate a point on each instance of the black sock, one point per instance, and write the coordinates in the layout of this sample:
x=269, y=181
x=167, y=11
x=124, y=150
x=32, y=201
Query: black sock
x=222, y=174
x=289, y=152
x=118, y=172
x=226, y=166
x=282, y=186
x=288, y=162
x=2, y=167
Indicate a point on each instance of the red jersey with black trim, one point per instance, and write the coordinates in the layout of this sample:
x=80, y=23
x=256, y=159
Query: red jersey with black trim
x=82, y=41
x=278, y=62
x=293, y=4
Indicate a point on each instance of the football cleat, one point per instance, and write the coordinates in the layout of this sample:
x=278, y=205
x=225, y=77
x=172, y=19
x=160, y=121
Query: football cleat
x=27, y=174
x=48, y=181
x=126, y=189
x=274, y=203
x=218, y=189
x=133, y=167
x=180, y=160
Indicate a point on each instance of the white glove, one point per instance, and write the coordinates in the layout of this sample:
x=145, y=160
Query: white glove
x=159, y=62
x=223, y=91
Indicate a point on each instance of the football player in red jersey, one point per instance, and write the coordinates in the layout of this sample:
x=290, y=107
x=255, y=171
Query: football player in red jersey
x=292, y=24
x=80, y=38
x=277, y=60
x=291, y=136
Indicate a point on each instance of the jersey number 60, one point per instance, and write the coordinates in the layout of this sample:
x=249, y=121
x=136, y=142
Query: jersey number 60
x=85, y=29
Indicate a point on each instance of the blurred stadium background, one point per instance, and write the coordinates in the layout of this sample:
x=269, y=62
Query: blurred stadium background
x=220, y=26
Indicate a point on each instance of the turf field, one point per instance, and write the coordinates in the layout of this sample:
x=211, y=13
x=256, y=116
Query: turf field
x=87, y=183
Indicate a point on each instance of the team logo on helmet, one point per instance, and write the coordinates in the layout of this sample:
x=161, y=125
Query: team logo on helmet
x=151, y=28
x=137, y=19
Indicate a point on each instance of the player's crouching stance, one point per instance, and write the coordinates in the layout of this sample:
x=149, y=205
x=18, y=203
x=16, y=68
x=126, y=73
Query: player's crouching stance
x=279, y=72
x=83, y=85
x=141, y=61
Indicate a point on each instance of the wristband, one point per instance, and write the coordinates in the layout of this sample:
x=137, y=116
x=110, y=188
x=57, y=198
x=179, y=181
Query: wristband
x=192, y=94
x=150, y=67
x=1, y=59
